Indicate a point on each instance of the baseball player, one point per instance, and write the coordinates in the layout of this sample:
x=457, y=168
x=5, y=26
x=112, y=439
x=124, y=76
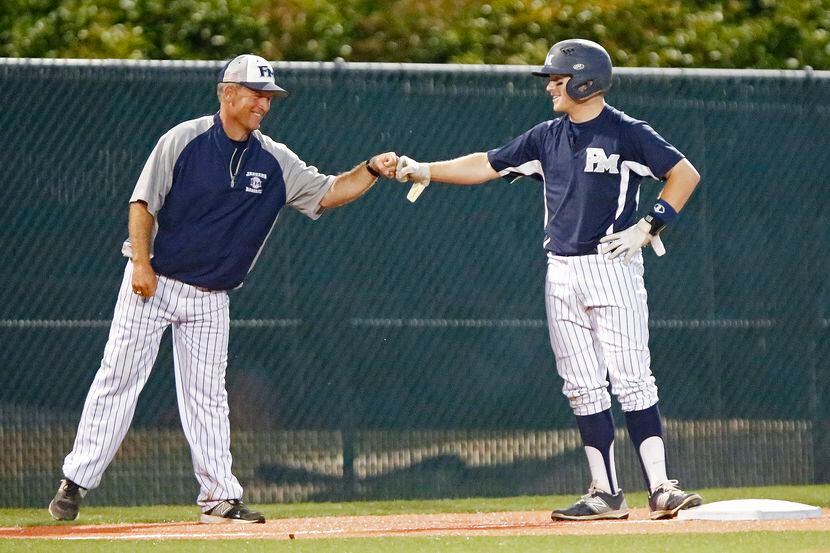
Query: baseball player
x=203, y=207
x=591, y=161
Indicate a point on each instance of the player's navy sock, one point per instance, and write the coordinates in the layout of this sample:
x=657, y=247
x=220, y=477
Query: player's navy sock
x=597, y=433
x=646, y=432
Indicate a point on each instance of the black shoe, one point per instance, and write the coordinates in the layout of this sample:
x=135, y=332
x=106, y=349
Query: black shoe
x=232, y=510
x=595, y=505
x=67, y=502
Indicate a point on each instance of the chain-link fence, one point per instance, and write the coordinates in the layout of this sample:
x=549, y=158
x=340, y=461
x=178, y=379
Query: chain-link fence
x=397, y=350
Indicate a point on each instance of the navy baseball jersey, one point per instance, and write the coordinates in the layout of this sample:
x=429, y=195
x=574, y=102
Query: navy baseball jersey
x=591, y=172
x=216, y=201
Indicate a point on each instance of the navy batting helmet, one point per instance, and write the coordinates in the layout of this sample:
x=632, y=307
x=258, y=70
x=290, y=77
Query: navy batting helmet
x=587, y=63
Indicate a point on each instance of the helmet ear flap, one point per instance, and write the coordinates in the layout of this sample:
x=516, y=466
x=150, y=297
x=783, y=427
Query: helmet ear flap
x=581, y=89
x=585, y=87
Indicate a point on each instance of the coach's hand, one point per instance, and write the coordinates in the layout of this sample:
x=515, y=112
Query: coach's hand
x=417, y=173
x=144, y=280
x=385, y=164
x=630, y=241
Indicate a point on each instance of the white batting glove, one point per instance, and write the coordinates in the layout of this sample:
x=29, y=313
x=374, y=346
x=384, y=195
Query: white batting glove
x=417, y=173
x=630, y=241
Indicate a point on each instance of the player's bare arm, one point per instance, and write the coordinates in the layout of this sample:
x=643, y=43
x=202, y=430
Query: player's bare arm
x=466, y=170
x=353, y=184
x=681, y=181
x=470, y=169
x=141, y=230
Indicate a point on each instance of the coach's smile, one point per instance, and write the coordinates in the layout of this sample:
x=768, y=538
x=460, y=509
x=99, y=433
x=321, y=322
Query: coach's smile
x=243, y=110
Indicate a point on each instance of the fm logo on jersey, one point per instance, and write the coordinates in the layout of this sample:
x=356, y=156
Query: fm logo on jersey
x=597, y=162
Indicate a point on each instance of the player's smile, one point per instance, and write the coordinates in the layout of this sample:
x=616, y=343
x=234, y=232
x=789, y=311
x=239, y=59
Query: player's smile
x=555, y=88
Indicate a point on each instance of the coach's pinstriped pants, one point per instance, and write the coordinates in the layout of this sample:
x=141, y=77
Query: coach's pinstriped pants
x=200, y=322
x=598, y=324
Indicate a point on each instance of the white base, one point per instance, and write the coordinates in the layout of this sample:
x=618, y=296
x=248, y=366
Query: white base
x=751, y=509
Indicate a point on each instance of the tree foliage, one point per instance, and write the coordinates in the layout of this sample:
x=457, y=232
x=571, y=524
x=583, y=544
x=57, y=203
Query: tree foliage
x=661, y=33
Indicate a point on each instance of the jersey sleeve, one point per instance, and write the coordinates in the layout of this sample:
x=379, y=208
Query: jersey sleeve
x=156, y=178
x=521, y=156
x=305, y=186
x=651, y=149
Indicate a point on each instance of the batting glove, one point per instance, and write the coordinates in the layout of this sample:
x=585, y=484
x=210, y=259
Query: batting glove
x=631, y=240
x=417, y=173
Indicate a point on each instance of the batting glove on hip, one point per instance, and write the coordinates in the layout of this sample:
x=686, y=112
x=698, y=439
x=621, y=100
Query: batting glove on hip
x=630, y=241
x=417, y=173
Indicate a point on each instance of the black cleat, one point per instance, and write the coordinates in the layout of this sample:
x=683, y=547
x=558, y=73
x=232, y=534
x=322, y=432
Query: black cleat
x=67, y=502
x=232, y=511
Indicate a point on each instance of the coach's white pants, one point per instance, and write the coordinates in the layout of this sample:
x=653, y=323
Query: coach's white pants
x=598, y=324
x=200, y=322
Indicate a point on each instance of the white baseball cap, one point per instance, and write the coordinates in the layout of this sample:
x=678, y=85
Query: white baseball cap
x=252, y=72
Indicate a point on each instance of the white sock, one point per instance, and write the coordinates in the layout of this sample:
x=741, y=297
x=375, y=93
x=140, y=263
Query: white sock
x=653, y=456
x=599, y=474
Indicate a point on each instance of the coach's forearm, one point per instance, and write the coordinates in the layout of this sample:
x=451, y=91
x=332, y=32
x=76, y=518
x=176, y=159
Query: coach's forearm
x=348, y=187
x=141, y=231
x=469, y=169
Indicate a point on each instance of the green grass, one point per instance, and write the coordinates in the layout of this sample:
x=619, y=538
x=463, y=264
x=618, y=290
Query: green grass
x=812, y=495
x=740, y=542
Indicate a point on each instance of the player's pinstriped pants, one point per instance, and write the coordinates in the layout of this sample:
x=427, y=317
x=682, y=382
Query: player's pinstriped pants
x=598, y=324
x=200, y=322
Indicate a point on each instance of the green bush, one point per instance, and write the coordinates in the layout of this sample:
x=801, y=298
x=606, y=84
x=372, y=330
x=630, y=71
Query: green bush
x=661, y=33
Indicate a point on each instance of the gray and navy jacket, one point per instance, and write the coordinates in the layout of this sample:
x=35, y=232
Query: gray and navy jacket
x=591, y=171
x=216, y=201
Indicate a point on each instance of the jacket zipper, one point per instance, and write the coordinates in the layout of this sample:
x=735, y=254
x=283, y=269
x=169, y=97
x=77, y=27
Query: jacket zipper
x=233, y=172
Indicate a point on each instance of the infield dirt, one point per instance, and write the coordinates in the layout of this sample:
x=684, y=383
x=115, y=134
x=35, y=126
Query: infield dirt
x=459, y=524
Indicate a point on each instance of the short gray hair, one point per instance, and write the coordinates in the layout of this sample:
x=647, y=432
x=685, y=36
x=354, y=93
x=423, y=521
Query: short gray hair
x=222, y=87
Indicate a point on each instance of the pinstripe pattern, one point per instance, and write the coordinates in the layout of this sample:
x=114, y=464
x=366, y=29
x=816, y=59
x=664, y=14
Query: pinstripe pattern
x=598, y=323
x=200, y=321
